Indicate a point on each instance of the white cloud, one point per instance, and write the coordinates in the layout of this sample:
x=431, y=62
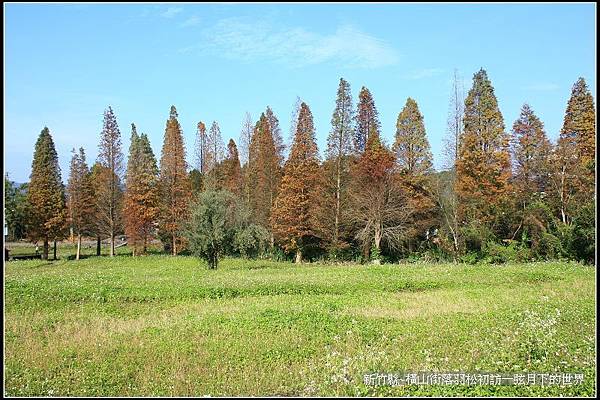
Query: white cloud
x=237, y=38
x=424, y=73
x=542, y=87
x=191, y=21
x=171, y=12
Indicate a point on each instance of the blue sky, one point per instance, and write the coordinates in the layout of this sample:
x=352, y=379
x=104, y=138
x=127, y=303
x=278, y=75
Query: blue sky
x=64, y=64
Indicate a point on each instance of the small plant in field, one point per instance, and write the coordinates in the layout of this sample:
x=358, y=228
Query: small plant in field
x=346, y=361
x=536, y=335
x=375, y=255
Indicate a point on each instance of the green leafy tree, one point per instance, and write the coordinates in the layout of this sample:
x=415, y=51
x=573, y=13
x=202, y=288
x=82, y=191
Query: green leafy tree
x=212, y=224
x=15, y=209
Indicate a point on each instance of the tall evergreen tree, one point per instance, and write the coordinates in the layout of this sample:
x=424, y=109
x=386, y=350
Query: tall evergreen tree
x=245, y=141
x=276, y=133
x=110, y=194
x=574, y=163
x=216, y=147
x=46, y=195
x=415, y=164
x=215, y=155
x=201, y=148
x=232, y=171
x=141, y=194
x=174, y=185
x=264, y=172
x=367, y=120
x=483, y=165
x=531, y=151
x=80, y=197
x=294, y=210
x=413, y=153
x=339, y=149
x=293, y=124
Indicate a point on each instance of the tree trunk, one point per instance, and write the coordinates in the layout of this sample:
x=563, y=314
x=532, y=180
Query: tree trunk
x=46, y=249
x=377, y=237
x=145, y=245
x=298, y=256
x=78, y=246
x=54, y=249
x=112, y=244
x=337, y=199
x=98, y=246
x=174, y=245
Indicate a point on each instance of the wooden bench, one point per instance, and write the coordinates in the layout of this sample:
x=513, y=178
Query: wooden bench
x=21, y=256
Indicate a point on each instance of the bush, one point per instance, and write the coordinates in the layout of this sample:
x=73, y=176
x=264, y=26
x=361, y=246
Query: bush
x=213, y=221
x=251, y=241
x=475, y=236
x=471, y=258
x=548, y=247
x=499, y=254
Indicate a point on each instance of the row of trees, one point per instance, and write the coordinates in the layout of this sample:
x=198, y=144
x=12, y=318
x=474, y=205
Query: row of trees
x=501, y=190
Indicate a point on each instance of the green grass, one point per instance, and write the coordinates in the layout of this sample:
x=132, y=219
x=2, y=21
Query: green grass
x=160, y=325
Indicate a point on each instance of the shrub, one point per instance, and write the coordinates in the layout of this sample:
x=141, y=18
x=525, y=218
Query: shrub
x=470, y=258
x=213, y=220
x=251, y=241
x=499, y=254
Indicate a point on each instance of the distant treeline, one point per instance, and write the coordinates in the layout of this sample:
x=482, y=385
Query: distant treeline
x=503, y=196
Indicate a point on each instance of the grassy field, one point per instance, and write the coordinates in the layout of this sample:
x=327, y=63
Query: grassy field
x=159, y=325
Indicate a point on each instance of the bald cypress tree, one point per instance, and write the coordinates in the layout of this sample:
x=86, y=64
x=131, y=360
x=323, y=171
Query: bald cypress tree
x=340, y=148
x=215, y=152
x=367, y=120
x=264, y=172
x=293, y=212
x=141, y=194
x=232, y=179
x=276, y=133
x=80, y=197
x=531, y=151
x=415, y=165
x=574, y=164
x=411, y=146
x=109, y=195
x=381, y=214
x=174, y=185
x=46, y=194
x=201, y=148
x=483, y=165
